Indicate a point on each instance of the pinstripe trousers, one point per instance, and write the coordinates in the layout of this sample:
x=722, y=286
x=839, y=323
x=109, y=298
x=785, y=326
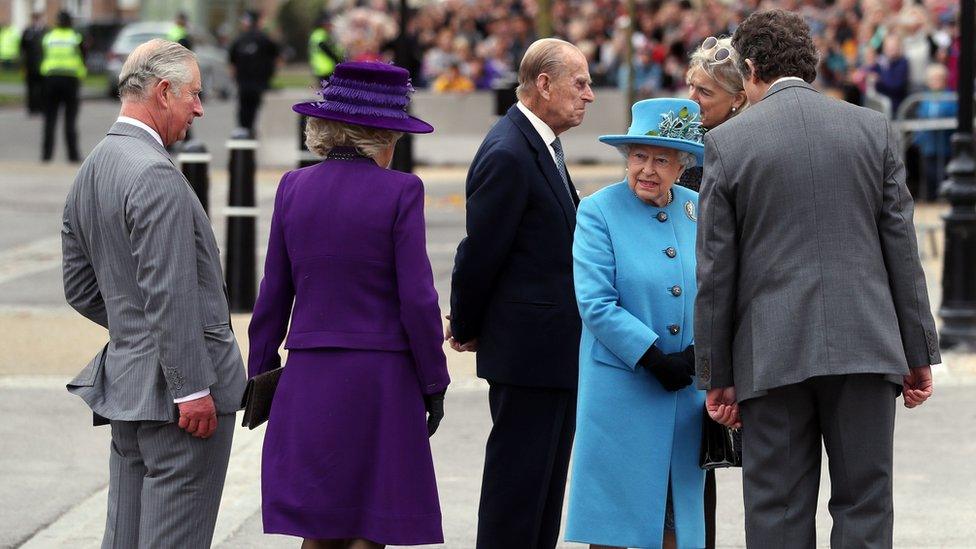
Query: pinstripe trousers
x=165, y=485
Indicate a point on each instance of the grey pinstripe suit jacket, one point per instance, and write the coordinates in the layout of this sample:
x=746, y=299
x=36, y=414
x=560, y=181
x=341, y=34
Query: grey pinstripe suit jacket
x=140, y=258
x=807, y=259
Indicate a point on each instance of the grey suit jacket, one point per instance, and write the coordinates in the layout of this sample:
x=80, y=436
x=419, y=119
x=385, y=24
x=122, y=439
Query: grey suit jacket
x=140, y=258
x=807, y=259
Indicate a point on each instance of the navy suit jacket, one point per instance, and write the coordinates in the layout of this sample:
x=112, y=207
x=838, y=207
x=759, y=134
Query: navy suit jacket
x=512, y=286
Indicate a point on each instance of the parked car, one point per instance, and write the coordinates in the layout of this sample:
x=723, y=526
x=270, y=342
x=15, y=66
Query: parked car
x=212, y=58
x=99, y=36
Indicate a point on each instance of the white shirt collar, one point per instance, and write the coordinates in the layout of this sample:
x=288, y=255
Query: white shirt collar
x=785, y=78
x=143, y=125
x=543, y=129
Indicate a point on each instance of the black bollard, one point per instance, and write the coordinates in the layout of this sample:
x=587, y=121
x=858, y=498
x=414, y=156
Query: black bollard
x=241, y=213
x=306, y=158
x=403, y=154
x=505, y=95
x=194, y=161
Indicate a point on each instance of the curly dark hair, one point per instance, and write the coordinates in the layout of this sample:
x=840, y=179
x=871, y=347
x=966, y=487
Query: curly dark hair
x=779, y=44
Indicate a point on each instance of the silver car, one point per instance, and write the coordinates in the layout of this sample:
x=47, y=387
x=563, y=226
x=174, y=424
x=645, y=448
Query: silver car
x=211, y=58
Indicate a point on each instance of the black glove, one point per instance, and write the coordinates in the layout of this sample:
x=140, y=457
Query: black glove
x=688, y=358
x=670, y=370
x=435, y=411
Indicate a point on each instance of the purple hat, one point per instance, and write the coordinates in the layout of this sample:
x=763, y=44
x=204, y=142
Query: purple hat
x=368, y=94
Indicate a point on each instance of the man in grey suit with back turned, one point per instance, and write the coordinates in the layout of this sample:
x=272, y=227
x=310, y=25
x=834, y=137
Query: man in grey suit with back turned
x=140, y=259
x=812, y=310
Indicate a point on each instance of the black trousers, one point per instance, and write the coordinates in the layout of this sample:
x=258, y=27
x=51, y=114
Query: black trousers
x=60, y=91
x=35, y=93
x=854, y=417
x=526, y=462
x=249, y=99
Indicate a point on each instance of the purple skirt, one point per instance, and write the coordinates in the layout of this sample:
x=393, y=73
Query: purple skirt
x=346, y=453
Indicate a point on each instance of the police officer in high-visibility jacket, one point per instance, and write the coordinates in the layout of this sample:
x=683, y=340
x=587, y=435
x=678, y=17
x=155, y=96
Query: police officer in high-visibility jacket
x=9, y=46
x=63, y=67
x=178, y=32
x=323, y=52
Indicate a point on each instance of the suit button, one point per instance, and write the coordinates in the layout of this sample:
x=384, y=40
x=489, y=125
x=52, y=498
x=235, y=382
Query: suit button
x=670, y=252
x=674, y=329
x=704, y=371
x=676, y=290
x=662, y=216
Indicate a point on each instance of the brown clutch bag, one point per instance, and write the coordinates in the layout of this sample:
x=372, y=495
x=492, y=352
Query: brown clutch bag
x=258, y=394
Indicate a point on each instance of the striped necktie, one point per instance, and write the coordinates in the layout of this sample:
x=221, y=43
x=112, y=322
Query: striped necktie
x=561, y=168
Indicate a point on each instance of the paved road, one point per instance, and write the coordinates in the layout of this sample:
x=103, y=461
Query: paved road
x=53, y=467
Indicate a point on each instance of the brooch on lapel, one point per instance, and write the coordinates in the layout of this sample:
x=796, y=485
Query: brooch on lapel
x=690, y=211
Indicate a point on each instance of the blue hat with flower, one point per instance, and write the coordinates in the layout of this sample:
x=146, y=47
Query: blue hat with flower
x=664, y=122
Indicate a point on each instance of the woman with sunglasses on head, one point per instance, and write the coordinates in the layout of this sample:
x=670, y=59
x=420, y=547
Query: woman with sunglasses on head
x=715, y=84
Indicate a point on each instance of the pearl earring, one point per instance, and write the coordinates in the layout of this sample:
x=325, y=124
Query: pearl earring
x=734, y=109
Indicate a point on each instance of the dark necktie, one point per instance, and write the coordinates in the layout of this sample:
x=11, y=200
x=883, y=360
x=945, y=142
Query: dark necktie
x=561, y=168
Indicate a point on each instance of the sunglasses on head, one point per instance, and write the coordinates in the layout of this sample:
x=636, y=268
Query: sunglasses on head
x=720, y=55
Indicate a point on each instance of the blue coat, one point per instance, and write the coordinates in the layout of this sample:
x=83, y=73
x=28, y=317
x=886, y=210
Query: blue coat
x=936, y=142
x=630, y=431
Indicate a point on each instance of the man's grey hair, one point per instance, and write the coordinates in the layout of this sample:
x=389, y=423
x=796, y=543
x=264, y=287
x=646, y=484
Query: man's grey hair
x=152, y=62
x=547, y=55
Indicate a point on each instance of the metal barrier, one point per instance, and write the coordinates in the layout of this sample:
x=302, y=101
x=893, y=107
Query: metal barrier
x=907, y=123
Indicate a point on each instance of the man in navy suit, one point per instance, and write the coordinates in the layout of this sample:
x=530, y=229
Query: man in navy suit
x=512, y=298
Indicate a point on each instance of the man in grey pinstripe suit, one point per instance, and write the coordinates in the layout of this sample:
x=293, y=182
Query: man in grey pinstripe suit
x=812, y=312
x=140, y=259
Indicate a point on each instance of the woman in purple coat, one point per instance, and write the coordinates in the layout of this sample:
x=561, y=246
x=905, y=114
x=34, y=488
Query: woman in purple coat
x=346, y=459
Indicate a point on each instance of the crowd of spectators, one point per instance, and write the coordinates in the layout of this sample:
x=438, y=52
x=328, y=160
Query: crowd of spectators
x=881, y=48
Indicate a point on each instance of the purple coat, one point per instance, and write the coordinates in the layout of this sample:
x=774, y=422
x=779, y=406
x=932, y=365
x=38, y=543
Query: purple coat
x=348, y=246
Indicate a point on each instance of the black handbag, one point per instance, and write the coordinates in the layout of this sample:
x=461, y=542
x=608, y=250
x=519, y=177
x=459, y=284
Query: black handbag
x=258, y=394
x=721, y=446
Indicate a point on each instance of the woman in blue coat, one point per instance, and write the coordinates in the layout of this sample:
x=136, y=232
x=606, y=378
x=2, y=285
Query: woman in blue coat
x=636, y=480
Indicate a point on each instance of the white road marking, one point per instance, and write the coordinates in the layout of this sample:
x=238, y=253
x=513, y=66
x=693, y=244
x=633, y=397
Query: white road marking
x=31, y=258
x=83, y=524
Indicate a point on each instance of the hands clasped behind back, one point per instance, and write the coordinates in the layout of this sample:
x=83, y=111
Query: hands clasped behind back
x=917, y=386
x=468, y=346
x=198, y=417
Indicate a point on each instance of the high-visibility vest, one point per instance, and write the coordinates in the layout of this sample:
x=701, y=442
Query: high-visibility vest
x=176, y=33
x=9, y=44
x=322, y=64
x=62, y=54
